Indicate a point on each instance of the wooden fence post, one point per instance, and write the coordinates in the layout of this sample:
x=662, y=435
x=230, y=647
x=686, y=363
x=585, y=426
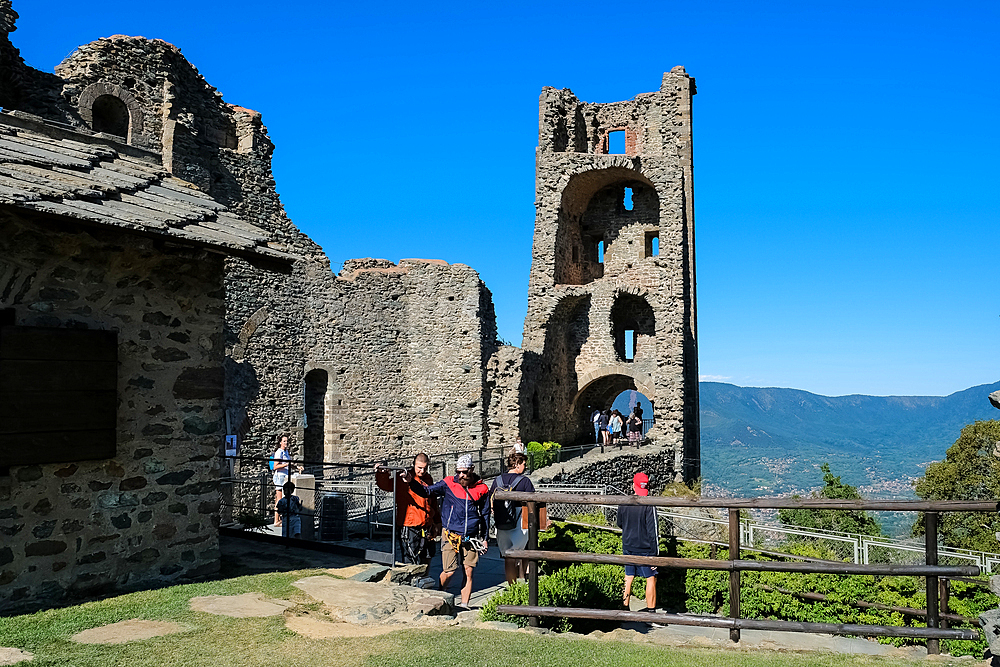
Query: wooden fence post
x=533, y=564
x=734, y=575
x=930, y=549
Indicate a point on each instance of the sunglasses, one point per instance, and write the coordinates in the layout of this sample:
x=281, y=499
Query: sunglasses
x=463, y=472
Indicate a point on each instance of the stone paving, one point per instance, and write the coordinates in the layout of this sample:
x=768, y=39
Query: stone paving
x=127, y=631
x=248, y=605
x=489, y=578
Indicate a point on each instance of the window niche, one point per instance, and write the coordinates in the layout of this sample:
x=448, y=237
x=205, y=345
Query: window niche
x=616, y=142
x=652, y=244
x=110, y=115
x=633, y=328
x=58, y=395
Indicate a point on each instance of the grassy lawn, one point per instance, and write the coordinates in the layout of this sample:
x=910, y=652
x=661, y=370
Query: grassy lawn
x=221, y=641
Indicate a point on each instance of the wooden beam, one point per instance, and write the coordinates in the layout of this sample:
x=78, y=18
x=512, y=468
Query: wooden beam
x=742, y=623
x=763, y=503
x=827, y=567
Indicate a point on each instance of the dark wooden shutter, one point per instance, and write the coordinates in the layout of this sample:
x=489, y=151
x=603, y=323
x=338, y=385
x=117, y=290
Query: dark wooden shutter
x=58, y=395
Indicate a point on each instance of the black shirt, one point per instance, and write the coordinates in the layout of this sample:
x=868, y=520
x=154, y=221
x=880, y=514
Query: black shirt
x=639, y=529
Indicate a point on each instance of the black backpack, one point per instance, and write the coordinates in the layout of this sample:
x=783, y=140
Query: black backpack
x=505, y=512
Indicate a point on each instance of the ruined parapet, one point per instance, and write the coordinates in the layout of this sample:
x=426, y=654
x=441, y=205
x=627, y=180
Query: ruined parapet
x=613, y=259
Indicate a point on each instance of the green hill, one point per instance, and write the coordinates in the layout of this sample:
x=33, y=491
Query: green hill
x=769, y=441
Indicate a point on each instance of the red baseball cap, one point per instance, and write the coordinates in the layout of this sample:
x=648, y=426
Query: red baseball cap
x=641, y=484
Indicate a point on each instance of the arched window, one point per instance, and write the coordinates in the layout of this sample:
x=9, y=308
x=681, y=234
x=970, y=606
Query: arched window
x=110, y=115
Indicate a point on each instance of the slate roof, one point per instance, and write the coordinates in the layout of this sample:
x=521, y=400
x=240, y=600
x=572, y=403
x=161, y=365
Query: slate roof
x=74, y=176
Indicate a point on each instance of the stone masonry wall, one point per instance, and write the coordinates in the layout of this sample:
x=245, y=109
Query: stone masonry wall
x=150, y=514
x=579, y=307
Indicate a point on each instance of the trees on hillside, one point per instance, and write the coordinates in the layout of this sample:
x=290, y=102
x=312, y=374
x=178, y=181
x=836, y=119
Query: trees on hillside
x=970, y=471
x=848, y=521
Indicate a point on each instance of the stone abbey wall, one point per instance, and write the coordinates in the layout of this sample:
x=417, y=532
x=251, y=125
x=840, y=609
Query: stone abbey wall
x=150, y=514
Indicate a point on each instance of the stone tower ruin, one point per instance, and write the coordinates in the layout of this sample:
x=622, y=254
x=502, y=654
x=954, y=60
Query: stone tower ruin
x=611, y=295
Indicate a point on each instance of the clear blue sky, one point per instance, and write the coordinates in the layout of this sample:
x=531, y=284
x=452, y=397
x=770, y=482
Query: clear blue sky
x=846, y=154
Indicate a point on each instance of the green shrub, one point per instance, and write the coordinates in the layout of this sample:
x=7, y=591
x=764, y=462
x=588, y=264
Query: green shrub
x=761, y=596
x=708, y=592
x=541, y=454
x=592, y=518
x=585, y=585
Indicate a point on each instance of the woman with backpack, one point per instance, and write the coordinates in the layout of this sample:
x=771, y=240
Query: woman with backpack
x=510, y=521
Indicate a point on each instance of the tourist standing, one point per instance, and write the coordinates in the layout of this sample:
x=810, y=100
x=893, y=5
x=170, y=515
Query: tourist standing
x=290, y=507
x=615, y=426
x=417, y=519
x=605, y=419
x=509, y=516
x=281, y=466
x=465, y=521
x=640, y=537
x=595, y=420
x=634, y=427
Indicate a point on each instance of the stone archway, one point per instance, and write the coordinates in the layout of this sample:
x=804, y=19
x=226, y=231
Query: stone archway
x=598, y=390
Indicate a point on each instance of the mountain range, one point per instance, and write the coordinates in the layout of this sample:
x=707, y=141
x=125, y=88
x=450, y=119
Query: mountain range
x=769, y=441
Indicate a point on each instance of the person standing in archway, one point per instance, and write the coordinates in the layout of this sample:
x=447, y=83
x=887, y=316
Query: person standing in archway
x=605, y=420
x=634, y=427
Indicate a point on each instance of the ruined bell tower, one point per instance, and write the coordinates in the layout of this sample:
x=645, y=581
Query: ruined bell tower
x=611, y=295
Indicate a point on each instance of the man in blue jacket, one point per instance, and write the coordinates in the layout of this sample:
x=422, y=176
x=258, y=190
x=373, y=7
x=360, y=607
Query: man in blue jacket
x=640, y=537
x=465, y=521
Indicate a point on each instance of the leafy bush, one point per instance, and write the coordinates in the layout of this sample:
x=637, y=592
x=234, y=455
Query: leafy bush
x=584, y=585
x=541, y=454
x=592, y=518
x=762, y=596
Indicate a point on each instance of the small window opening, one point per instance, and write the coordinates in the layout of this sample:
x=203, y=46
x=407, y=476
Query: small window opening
x=628, y=199
x=600, y=252
x=652, y=244
x=576, y=254
x=110, y=115
x=629, y=344
x=616, y=142
x=536, y=412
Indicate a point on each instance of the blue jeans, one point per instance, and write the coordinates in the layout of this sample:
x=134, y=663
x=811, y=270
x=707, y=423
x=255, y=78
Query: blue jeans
x=597, y=432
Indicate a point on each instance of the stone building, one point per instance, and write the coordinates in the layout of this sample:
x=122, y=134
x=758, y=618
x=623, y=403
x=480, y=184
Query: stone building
x=611, y=294
x=111, y=364
x=135, y=200
x=112, y=326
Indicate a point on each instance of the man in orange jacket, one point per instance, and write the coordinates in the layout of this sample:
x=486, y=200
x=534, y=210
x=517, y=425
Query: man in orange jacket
x=417, y=517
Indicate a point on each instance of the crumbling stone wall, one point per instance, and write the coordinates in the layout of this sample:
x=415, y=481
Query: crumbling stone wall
x=406, y=348
x=579, y=307
x=150, y=514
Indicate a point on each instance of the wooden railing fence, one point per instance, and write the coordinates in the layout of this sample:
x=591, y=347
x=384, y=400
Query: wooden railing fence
x=936, y=575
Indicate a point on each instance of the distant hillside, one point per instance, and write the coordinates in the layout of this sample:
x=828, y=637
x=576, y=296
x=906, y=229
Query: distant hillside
x=766, y=441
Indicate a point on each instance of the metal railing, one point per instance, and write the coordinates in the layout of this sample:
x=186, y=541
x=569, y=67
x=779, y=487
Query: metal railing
x=930, y=569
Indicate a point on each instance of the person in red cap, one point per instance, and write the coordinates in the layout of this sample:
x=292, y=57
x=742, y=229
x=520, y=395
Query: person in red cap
x=640, y=537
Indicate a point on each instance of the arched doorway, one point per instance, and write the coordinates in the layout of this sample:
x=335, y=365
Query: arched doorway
x=602, y=393
x=627, y=402
x=314, y=436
